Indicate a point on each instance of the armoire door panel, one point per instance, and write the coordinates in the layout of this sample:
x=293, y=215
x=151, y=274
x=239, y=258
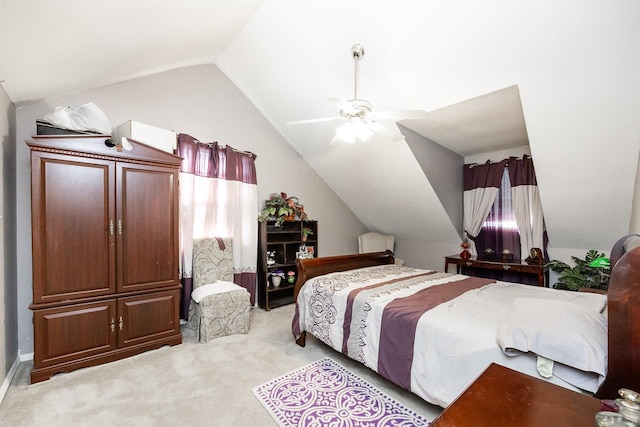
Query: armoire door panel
x=74, y=332
x=147, y=206
x=148, y=317
x=73, y=249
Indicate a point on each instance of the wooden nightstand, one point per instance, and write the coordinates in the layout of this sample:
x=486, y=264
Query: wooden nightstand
x=504, y=397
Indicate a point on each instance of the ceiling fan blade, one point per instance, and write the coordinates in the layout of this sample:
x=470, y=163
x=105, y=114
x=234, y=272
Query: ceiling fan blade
x=324, y=119
x=399, y=115
x=385, y=132
x=344, y=105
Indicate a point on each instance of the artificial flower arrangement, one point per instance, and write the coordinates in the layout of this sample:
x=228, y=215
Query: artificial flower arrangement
x=282, y=208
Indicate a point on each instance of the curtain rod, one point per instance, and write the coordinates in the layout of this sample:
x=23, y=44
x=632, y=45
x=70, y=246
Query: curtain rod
x=524, y=156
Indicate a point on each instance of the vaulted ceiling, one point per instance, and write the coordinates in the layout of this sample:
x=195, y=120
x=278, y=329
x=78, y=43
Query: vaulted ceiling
x=561, y=77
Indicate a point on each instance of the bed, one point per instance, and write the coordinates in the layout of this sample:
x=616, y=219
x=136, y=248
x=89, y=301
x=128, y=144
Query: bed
x=434, y=333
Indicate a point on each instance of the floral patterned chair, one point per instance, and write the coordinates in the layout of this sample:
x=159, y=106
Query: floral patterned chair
x=218, y=307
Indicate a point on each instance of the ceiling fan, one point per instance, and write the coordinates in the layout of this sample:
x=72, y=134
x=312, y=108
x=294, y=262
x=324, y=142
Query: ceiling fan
x=361, y=121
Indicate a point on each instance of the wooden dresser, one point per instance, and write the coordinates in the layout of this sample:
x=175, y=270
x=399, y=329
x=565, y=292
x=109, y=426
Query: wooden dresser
x=502, y=397
x=105, y=251
x=541, y=271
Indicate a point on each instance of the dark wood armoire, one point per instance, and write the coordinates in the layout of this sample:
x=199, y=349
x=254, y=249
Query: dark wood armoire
x=105, y=251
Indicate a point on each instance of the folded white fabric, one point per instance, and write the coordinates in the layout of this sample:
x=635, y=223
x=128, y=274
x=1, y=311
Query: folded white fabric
x=561, y=331
x=218, y=287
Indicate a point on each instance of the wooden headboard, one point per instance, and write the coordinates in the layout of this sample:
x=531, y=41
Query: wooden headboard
x=312, y=267
x=623, y=309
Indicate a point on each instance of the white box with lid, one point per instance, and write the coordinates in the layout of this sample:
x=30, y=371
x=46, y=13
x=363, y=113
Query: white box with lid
x=159, y=138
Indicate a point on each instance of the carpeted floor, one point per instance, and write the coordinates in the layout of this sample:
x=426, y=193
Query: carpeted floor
x=191, y=384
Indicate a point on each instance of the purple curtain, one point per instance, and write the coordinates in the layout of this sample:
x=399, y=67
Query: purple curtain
x=500, y=231
x=481, y=185
x=521, y=171
x=484, y=175
x=502, y=227
x=527, y=206
x=212, y=161
x=218, y=198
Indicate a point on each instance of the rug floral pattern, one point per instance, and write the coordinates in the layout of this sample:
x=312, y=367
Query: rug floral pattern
x=325, y=393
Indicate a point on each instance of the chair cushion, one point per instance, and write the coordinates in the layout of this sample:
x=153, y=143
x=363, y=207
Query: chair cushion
x=217, y=287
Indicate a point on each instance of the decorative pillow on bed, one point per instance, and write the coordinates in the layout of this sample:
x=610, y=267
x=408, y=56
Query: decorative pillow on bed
x=567, y=333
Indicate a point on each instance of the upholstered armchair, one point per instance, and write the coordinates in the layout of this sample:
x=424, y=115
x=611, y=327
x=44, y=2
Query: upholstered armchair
x=376, y=242
x=218, y=307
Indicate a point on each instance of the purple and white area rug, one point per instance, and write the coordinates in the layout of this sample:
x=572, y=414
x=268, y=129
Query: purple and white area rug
x=325, y=393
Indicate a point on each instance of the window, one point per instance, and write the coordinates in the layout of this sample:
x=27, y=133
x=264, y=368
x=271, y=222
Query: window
x=499, y=230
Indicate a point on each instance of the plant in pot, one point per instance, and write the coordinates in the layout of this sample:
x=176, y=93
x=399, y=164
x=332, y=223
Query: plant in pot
x=282, y=208
x=306, y=231
x=584, y=274
x=276, y=277
x=291, y=276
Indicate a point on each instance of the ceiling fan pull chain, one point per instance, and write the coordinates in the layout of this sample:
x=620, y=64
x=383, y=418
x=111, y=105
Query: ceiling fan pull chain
x=355, y=86
x=358, y=52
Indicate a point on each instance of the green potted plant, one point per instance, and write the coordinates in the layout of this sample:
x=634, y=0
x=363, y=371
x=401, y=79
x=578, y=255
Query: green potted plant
x=282, y=208
x=583, y=275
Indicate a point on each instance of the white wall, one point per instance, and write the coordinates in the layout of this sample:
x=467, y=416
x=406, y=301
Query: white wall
x=8, y=310
x=634, y=226
x=202, y=102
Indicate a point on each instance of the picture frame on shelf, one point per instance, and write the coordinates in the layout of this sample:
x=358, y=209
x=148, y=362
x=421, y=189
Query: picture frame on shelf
x=311, y=251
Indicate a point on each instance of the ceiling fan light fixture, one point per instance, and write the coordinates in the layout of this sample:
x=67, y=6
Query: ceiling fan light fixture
x=354, y=130
x=361, y=121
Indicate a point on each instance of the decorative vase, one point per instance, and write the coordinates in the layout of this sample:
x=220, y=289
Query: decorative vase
x=465, y=254
x=276, y=280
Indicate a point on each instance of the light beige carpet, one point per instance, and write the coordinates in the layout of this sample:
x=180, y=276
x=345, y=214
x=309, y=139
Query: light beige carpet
x=190, y=384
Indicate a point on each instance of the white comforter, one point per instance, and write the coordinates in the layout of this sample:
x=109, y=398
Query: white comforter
x=455, y=341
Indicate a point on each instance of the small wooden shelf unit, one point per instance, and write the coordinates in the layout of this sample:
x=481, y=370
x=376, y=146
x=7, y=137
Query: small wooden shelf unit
x=285, y=241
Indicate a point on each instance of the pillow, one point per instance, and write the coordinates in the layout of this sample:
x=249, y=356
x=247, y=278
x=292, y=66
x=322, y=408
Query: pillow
x=562, y=331
x=589, y=300
x=218, y=287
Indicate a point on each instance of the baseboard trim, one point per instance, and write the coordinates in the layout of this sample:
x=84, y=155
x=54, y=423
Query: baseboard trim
x=25, y=357
x=12, y=372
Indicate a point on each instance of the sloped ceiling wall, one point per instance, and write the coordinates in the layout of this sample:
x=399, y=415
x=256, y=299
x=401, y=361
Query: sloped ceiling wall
x=576, y=65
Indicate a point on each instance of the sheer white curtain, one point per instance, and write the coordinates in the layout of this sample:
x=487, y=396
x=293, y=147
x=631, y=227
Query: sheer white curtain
x=481, y=185
x=218, y=198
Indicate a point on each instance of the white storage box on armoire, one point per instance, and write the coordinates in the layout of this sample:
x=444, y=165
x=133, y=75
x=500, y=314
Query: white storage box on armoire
x=159, y=138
